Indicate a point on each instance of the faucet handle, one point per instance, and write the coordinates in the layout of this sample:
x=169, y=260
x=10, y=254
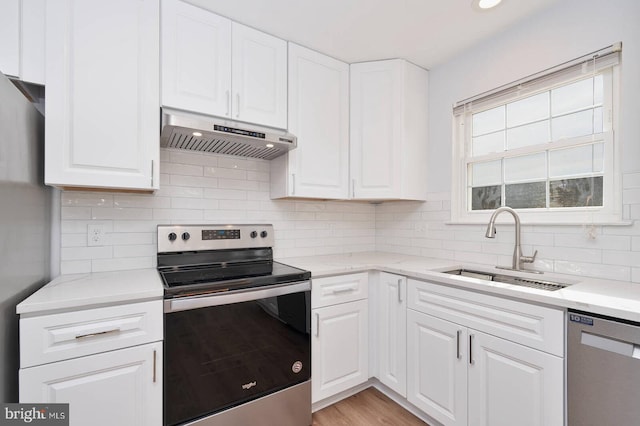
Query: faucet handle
x=529, y=259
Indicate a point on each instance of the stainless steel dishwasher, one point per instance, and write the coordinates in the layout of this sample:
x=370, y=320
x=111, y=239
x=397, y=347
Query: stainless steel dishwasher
x=603, y=371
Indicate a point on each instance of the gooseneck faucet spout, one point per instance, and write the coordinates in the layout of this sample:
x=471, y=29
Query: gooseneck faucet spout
x=518, y=258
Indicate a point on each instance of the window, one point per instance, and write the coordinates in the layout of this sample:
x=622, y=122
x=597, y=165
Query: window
x=544, y=146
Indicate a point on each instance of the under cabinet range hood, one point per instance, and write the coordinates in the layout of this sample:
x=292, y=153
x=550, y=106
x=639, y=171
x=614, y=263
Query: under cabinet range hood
x=194, y=132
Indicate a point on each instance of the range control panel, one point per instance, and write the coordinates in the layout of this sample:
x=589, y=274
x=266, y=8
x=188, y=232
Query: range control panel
x=176, y=238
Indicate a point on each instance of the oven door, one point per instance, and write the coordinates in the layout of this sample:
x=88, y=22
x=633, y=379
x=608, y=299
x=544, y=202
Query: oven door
x=227, y=349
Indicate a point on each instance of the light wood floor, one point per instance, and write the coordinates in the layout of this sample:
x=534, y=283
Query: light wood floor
x=367, y=408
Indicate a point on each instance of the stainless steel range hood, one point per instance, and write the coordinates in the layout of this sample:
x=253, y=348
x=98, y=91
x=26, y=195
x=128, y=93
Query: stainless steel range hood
x=195, y=132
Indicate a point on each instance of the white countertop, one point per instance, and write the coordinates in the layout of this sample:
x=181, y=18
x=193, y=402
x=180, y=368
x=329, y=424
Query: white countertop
x=613, y=298
x=87, y=290
x=605, y=297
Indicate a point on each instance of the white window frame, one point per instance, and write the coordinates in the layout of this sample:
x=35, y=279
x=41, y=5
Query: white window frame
x=611, y=210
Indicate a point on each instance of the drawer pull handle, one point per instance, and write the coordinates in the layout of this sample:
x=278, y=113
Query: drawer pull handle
x=458, y=333
x=342, y=290
x=99, y=333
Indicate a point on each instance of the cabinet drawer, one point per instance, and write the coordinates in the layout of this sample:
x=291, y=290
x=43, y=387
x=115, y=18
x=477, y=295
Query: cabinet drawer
x=531, y=325
x=339, y=289
x=56, y=337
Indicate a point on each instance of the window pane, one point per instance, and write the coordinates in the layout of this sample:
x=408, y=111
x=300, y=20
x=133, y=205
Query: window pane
x=488, y=121
x=572, y=125
x=532, y=195
x=572, y=97
x=576, y=192
x=597, y=120
x=530, y=134
x=598, y=157
x=526, y=167
x=529, y=109
x=486, y=197
x=598, y=90
x=488, y=173
x=493, y=142
x=575, y=161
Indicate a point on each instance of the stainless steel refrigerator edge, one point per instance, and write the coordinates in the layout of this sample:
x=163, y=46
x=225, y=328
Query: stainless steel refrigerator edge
x=25, y=221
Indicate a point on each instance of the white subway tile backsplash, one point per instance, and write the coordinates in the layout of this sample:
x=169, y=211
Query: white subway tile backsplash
x=209, y=188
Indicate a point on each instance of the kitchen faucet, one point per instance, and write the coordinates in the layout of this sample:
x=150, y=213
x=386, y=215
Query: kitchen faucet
x=518, y=258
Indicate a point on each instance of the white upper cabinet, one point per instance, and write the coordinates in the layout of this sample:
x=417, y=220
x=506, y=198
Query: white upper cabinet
x=10, y=37
x=259, y=76
x=196, y=59
x=319, y=117
x=214, y=66
x=388, y=130
x=102, y=108
x=22, y=39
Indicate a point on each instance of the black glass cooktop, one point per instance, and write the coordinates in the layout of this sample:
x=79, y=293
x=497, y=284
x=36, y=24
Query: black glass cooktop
x=202, y=279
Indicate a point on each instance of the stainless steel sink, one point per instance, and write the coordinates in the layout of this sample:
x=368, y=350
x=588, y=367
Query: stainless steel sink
x=508, y=279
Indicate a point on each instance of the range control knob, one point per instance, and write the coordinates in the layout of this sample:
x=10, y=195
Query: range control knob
x=172, y=236
x=263, y=234
x=253, y=234
x=185, y=236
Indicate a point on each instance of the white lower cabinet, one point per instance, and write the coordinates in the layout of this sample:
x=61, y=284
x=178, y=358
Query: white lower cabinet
x=460, y=375
x=339, y=348
x=105, y=362
x=437, y=382
x=392, y=332
x=129, y=381
x=511, y=384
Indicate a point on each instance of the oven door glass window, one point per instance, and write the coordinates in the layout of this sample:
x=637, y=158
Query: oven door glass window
x=221, y=356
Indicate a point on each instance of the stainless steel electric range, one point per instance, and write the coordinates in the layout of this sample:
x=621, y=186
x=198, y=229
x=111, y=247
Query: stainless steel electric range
x=237, y=348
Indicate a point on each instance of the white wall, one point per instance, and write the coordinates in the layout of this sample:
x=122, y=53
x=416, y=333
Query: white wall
x=569, y=29
x=205, y=188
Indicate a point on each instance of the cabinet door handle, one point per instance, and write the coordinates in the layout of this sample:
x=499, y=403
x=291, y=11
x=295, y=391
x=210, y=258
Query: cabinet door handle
x=98, y=333
x=399, y=291
x=154, y=366
x=317, y=324
x=471, y=349
x=458, y=333
x=238, y=104
x=293, y=184
x=228, y=104
x=152, y=173
x=353, y=188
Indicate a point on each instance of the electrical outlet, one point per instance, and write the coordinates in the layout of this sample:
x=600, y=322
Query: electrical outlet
x=96, y=235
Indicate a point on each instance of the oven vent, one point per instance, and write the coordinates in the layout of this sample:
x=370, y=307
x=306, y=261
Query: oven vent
x=191, y=132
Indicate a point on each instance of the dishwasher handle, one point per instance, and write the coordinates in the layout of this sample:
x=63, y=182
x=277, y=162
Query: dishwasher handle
x=611, y=345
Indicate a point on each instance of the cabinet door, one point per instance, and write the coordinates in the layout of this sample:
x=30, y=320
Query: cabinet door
x=319, y=117
x=339, y=348
x=437, y=368
x=392, y=332
x=102, y=94
x=196, y=59
x=510, y=384
x=376, y=123
x=259, y=75
x=33, y=41
x=122, y=387
x=10, y=37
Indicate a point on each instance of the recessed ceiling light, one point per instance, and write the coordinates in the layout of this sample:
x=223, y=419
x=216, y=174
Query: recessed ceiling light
x=197, y=134
x=485, y=4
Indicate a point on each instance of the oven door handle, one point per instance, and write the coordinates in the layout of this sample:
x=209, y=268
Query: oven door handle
x=188, y=303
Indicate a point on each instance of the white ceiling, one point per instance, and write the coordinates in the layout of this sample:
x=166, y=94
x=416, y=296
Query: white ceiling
x=426, y=32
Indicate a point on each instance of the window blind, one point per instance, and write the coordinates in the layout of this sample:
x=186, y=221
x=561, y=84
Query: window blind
x=582, y=66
